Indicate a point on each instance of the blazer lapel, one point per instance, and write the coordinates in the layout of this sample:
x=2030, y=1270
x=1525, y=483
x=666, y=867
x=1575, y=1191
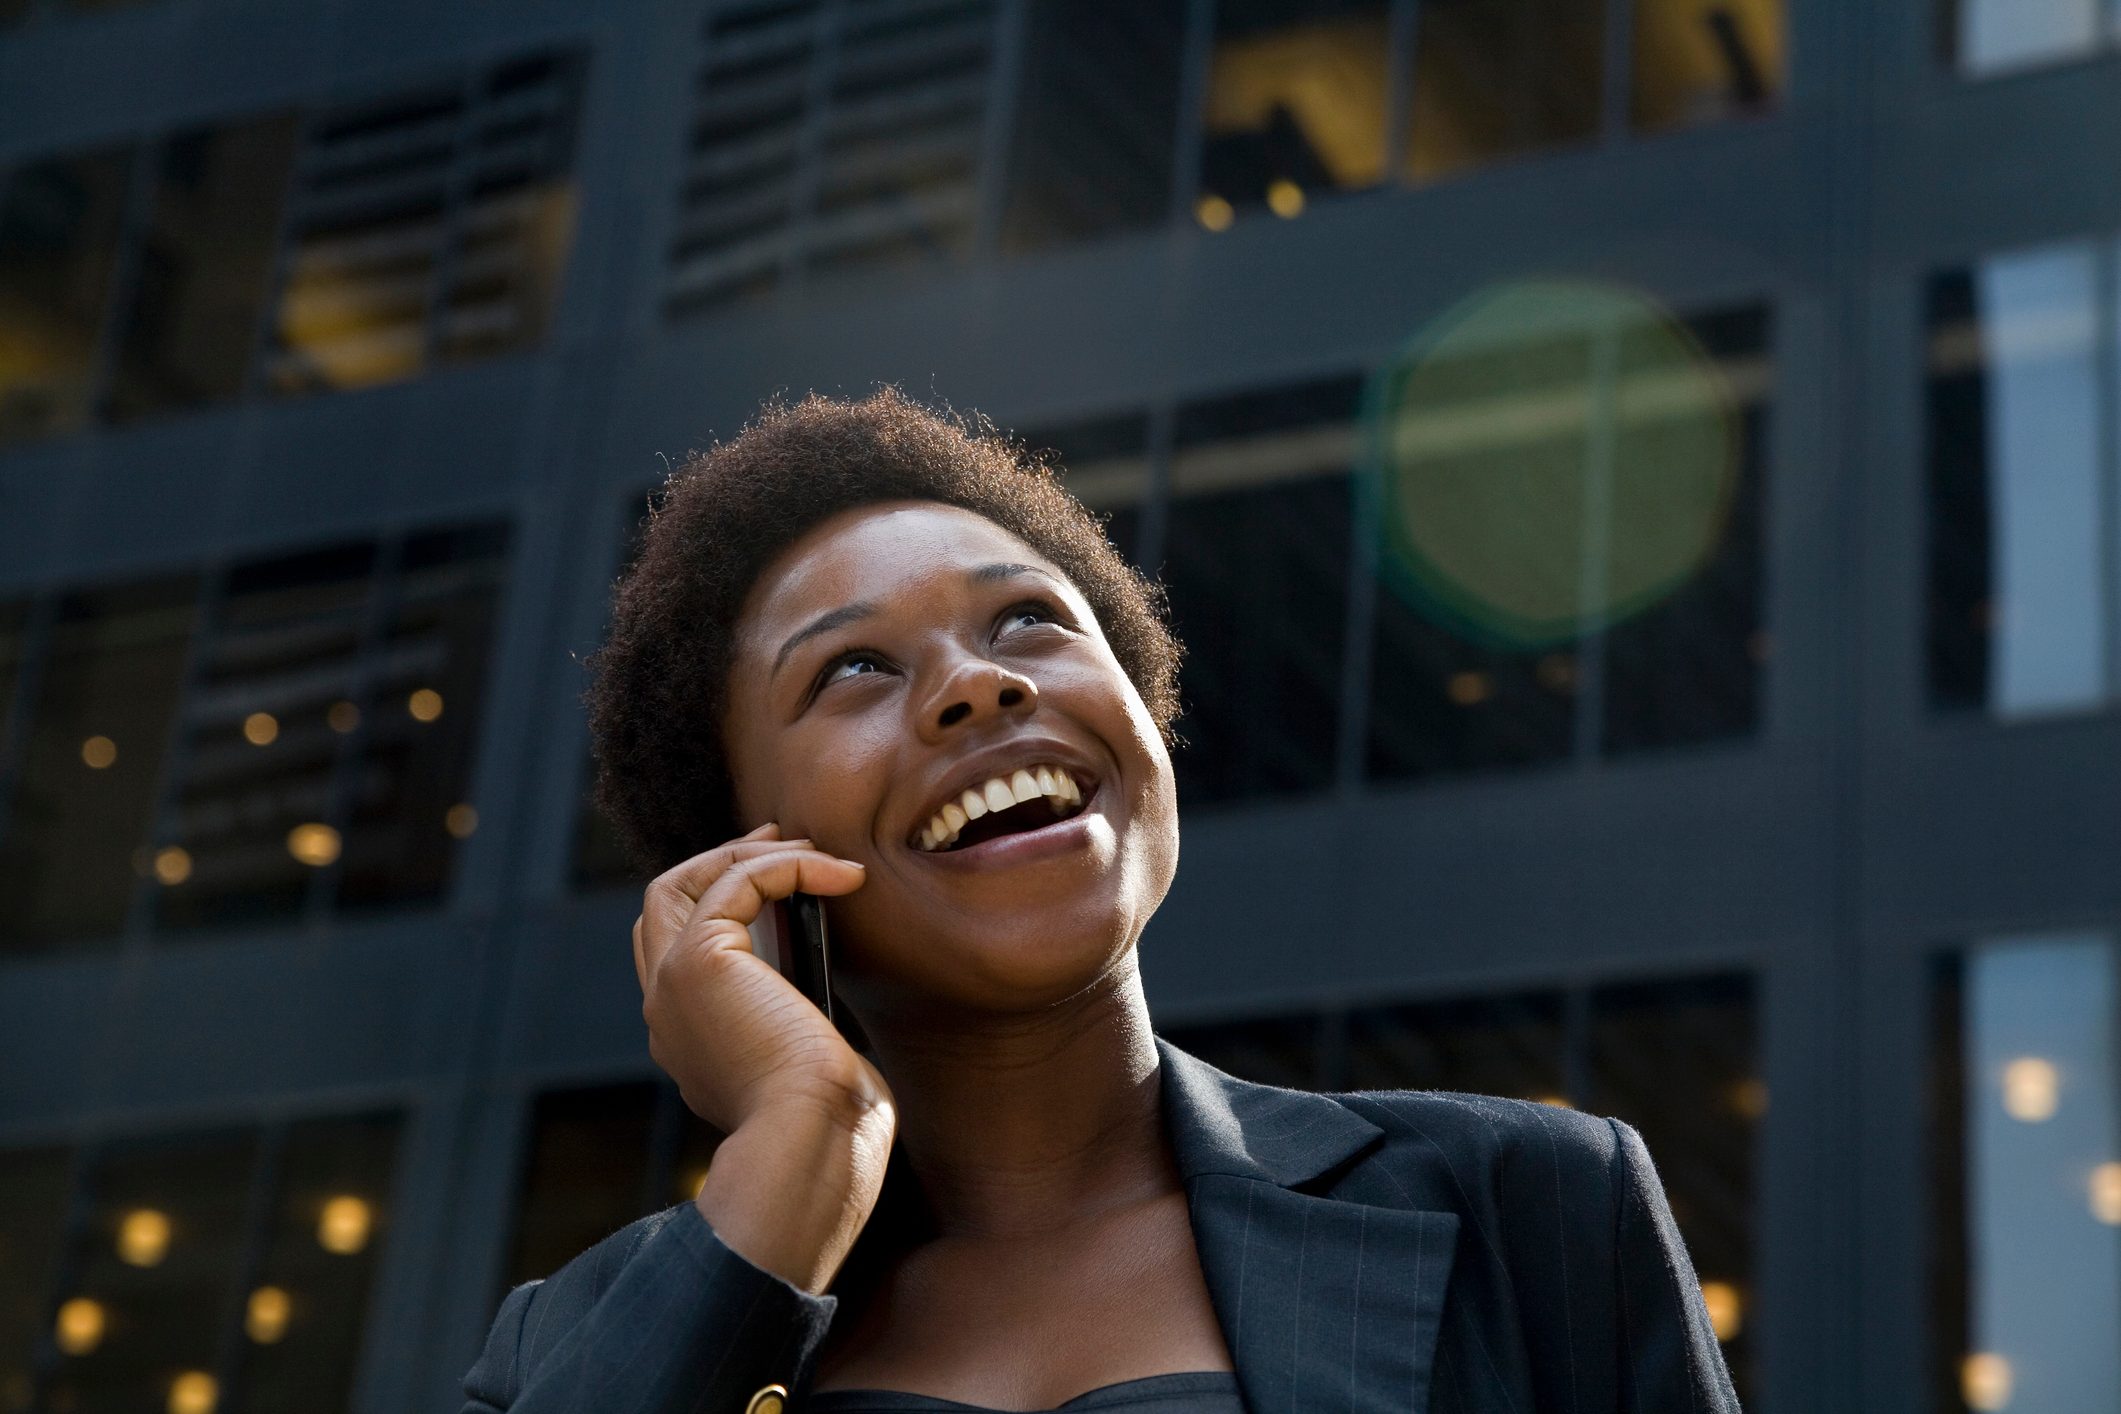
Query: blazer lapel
x=1327, y=1304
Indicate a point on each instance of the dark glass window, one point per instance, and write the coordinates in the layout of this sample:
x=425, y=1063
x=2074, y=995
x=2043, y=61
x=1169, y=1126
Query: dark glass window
x=1295, y=105
x=598, y=1158
x=2025, y=1163
x=1255, y=557
x=600, y=857
x=1498, y=78
x=1104, y=463
x=14, y=647
x=2021, y=549
x=106, y=693
x=1703, y=61
x=1510, y=1046
x=1096, y=121
x=33, y=1193
x=191, y=324
x=60, y=222
x=1273, y=1050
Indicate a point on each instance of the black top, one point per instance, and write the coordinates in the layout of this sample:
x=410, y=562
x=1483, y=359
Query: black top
x=1191, y=1392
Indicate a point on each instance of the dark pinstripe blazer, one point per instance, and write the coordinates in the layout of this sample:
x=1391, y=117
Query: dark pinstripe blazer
x=1378, y=1251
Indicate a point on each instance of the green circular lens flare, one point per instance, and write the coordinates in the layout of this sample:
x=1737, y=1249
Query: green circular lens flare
x=1547, y=459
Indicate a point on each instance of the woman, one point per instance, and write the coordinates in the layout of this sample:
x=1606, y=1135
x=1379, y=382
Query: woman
x=849, y=629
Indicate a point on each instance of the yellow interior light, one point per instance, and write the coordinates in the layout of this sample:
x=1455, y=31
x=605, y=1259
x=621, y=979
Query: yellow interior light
x=315, y=844
x=260, y=728
x=1214, y=213
x=2031, y=1089
x=172, y=864
x=461, y=821
x=1726, y=1308
x=80, y=1326
x=1284, y=198
x=1559, y=1102
x=425, y=705
x=143, y=1237
x=193, y=1392
x=1469, y=689
x=265, y=1315
x=99, y=753
x=1985, y=1381
x=2106, y=1194
x=344, y=1225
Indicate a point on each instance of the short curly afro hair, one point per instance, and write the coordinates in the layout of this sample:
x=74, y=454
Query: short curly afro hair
x=660, y=690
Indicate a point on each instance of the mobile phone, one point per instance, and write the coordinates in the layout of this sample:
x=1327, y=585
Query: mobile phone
x=790, y=934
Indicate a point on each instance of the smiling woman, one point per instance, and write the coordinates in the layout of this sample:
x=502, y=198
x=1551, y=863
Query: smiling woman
x=875, y=655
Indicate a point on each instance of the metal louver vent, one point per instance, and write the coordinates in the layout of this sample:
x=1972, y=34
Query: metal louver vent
x=830, y=134
x=431, y=226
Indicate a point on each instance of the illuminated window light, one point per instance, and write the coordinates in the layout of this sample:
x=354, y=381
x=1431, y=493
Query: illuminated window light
x=1559, y=1102
x=461, y=821
x=172, y=865
x=425, y=705
x=193, y=1392
x=344, y=1225
x=343, y=717
x=2106, y=1194
x=1470, y=689
x=143, y=1238
x=1750, y=1097
x=696, y=1182
x=1214, y=213
x=1285, y=199
x=1985, y=1381
x=265, y=1316
x=260, y=728
x=1726, y=1308
x=2030, y=1089
x=314, y=844
x=99, y=753
x=80, y=1326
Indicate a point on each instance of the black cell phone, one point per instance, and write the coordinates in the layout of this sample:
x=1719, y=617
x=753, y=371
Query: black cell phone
x=790, y=934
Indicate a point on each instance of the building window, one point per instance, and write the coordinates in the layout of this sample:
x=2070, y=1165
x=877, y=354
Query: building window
x=1571, y=489
x=1092, y=150
x=60, y=224
x=830, y=135
x=1255, y=555
x=2025, y=495
x=1499, y=78
x=1677, y=1058
x=2026, y=1201
x=597, y=1158
x=1295, y=106
x=429, y=227
x=600, y=857
x=227, y=1270
x=1104, y=463
x=104, y=690
x=1705, y=61
x=1982, y=38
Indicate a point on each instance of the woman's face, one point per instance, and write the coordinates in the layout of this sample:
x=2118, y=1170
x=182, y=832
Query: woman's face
x=948, y=647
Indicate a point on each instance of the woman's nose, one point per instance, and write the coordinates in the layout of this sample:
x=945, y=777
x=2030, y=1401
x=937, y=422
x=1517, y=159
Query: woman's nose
x=977, y=688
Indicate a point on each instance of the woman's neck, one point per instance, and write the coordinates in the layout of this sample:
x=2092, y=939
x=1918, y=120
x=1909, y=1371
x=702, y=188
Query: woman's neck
x=1020, y=1125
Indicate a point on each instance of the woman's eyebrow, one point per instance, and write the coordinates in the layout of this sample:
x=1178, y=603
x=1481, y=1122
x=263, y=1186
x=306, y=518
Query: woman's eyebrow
x=863, y=608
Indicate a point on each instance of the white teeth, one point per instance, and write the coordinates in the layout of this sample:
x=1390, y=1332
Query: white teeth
x=999, y=794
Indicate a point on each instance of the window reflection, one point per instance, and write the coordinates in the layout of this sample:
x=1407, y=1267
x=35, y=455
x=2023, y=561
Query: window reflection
x=105, y=697
x=192, y=321
x=60, y=221
x=1274, y=1050
x=2019, y=619
x=2026, y=1253
x=1510, y=1046
x=1986, y=37
x=1704, y=61
x=1255, y=556
x=1497, y=78
x=1096, y=121
x=586, y=1173
x=33, y=1196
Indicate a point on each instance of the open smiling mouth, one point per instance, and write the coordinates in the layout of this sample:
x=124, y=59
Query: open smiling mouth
x=1037, y=802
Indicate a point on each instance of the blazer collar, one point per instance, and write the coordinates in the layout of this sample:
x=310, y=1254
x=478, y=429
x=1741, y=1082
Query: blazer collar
x=1220, y=1124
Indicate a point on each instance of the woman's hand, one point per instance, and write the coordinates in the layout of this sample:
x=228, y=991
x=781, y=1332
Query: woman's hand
x=809, y=1122
x=738, y=1037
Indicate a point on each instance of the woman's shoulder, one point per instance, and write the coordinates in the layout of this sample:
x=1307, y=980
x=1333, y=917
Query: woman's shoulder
x=1489, y=1134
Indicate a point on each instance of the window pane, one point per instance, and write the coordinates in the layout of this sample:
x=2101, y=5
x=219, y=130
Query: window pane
x=1096, y=121
x=1494, y=78
x=600, y=856
x=1702, y=61
x=163, y=1253
x=1256, y=559
x=2029, y=1231
x=1274, y=1050
x=1104, y=463
x=1990, y=36
x=33, y=1190
x=1689, y=669
x=277, y=700
x=107, y=692
x=1679, y=1061
x=1295, y=104
x=304, y=1313
x=2018, y=620
x=1509, y=1046
x=60, y=221
x=411, y=802
x=586, y=1175
x=204, y=266
x=14, y=631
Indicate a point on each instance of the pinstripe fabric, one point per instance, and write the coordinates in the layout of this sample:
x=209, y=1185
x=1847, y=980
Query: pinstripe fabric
x=1379, y=1251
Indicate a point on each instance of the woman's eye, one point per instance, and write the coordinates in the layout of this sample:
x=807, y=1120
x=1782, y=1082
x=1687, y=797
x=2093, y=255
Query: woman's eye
x=1033, y=607
x=831, y=670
